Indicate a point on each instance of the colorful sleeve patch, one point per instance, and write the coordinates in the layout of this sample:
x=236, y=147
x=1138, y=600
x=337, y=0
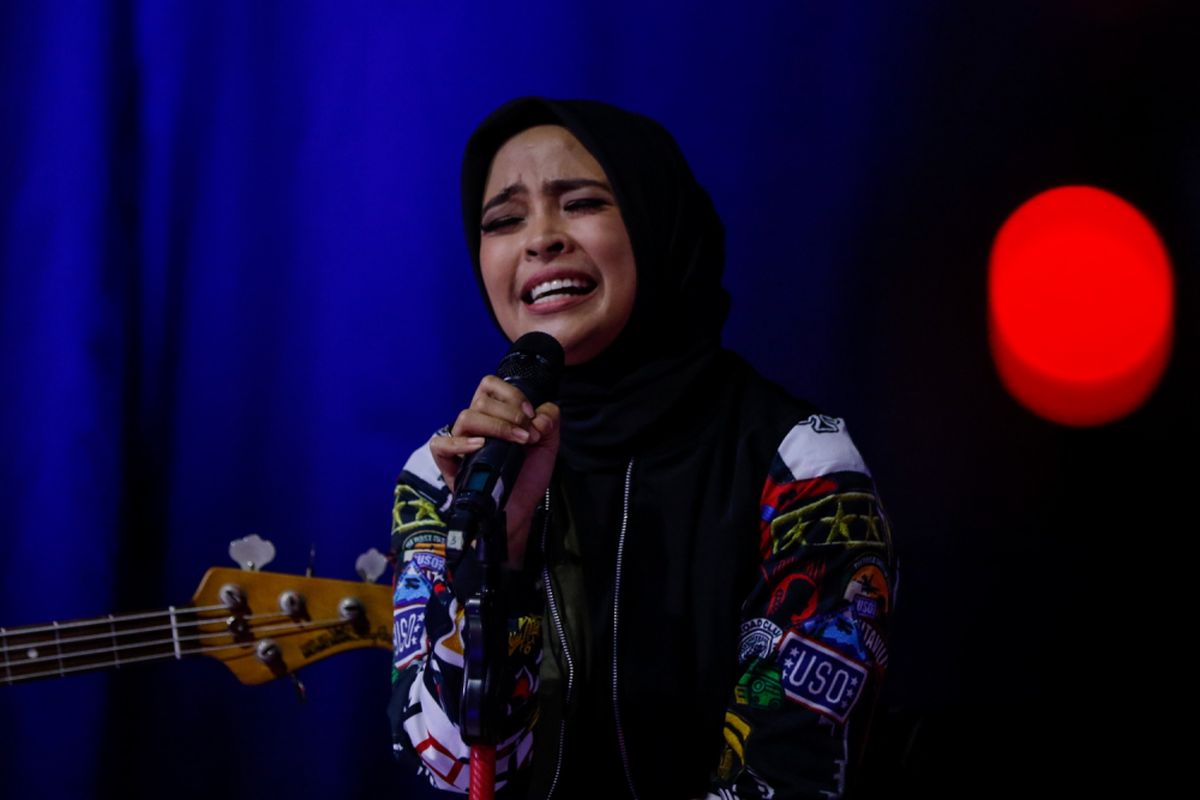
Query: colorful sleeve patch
x=409, y=634
x=795, y=594
x=838, y=518
x=411, y=587
x=414, y=512
x=430, y=561
x=819, y=677
x=408, y=615
x=760, y=686
x=839, y=630
x=867, y=589
x=525, y=636
x=759, y=637
x=733, y=757
x=787, y=493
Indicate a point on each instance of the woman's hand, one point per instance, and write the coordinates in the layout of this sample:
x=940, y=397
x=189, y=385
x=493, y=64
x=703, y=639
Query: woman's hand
x=499, y=410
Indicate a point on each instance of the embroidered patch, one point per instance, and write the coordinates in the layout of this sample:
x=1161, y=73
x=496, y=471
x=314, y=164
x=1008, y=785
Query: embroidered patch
x=875, y=642
x=797, y=595
x=409, y=633
x=411, y=586
x=867, y=590
x=759, y=636
x=759, y=686
x=866, y=607
x=423, y=540
x=414, y=511
x=733, y=756
x=843, y=518
x=431, y=564
x=525, y=636
x=820, y=678
x=838, y=630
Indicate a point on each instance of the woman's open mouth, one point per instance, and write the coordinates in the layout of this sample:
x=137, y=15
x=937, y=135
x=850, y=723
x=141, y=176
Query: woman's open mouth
x=558, y=289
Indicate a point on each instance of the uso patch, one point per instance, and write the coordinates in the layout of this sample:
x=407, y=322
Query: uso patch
x=431, y=564
x=820, y=678
x=867, y=590
x=409, y=634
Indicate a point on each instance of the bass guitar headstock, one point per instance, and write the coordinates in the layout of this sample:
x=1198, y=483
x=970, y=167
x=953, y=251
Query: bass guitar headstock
x=264, y=625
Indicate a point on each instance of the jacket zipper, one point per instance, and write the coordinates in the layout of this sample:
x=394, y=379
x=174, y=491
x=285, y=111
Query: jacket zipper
x=562, y=637
x=616, y=621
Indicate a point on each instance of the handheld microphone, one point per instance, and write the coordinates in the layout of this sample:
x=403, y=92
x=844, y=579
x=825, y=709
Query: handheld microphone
x=533, y=365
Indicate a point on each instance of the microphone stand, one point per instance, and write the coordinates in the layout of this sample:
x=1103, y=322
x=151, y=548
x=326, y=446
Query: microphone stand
x=533, y=365
x=485, y=645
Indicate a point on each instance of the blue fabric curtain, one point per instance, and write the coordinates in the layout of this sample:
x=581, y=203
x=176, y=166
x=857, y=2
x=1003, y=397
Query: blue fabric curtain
x=234, y=296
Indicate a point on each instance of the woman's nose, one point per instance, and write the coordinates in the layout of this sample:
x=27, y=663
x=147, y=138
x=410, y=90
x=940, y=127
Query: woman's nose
x=546, y=241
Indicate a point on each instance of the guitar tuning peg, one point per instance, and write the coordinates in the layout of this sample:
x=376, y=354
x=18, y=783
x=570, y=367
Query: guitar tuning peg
x=251, y=552
x=370, y=565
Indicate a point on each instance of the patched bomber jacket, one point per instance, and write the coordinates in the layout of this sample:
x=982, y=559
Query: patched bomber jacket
x=807, y=646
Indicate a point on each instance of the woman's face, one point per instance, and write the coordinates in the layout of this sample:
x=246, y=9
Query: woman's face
x=554, y=252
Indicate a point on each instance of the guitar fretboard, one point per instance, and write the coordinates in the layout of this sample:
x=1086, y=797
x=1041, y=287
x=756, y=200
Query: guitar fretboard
x=58, y=649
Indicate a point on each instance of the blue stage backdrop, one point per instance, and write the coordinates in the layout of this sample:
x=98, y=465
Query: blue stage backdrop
x=234, y=296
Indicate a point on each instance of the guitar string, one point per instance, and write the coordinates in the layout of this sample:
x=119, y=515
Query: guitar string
x=210, y=620
x=201, y=651
x=79, y=623
x=114, y=634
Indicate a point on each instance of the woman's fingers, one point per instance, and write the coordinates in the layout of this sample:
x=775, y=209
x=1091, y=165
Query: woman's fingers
x=448, y=452
x=478, y=423
x=490, y=407
x=504, y=392
x=545, y=423
x=498, y=410
x=530, y=486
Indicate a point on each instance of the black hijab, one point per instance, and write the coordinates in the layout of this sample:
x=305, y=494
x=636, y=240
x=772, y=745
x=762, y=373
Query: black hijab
x=613, y=403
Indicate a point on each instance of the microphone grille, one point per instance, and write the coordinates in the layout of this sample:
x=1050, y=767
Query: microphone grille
x=533, y=364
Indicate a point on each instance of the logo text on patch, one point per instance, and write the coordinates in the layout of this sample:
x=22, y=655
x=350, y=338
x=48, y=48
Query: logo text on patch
x=820, y=678
x=430, y=563
x=409, y=633
x=759, y=636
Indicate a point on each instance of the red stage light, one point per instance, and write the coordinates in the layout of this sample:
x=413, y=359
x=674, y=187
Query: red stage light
x=1080, y=306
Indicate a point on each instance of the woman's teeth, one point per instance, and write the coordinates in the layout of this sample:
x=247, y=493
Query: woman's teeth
x=546, y=291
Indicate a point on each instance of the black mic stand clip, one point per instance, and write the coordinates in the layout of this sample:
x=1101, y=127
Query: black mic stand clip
x=481, y=711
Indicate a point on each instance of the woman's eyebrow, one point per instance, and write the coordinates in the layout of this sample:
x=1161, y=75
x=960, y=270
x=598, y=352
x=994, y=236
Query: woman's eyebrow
x=554, y=188
x=503, y=196
x=564, y=185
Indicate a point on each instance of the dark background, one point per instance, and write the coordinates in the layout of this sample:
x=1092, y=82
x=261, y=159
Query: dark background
x=235, y=296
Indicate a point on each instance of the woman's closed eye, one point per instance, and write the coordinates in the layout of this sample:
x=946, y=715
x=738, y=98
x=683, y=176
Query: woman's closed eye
x=499, y=223
x=578, y=205
x=587, y=204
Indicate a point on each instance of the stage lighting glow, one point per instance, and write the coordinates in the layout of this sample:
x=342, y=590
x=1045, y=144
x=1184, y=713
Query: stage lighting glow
x=1080, y=306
